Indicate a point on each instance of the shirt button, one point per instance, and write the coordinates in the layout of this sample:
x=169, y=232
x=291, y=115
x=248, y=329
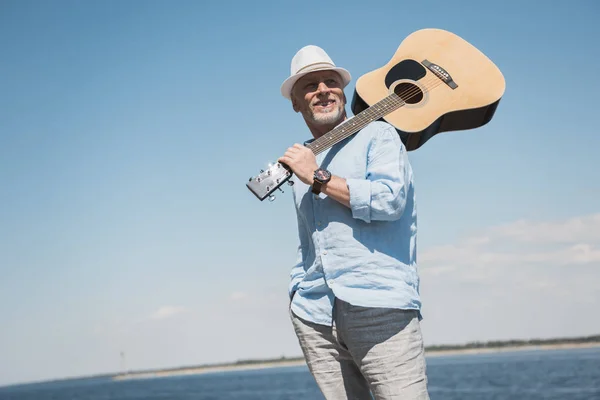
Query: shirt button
x=319, y=223
x=316, y=197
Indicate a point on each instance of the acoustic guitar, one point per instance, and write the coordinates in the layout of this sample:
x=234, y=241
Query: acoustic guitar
x=435, y=82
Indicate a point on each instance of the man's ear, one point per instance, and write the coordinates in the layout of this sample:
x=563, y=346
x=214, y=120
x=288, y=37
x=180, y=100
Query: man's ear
x=295, y=104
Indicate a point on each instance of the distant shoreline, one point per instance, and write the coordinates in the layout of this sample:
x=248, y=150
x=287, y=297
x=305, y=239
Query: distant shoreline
x=258, y=365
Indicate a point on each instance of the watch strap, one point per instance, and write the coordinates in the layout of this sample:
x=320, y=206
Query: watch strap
x=316, y=187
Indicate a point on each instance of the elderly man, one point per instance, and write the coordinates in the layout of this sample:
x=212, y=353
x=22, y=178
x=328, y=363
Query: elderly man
x=354, y=291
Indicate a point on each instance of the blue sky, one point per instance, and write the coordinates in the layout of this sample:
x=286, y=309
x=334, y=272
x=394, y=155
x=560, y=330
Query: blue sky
x=128, y=131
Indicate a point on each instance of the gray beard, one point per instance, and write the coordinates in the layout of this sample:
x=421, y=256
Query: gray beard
x=327, y=118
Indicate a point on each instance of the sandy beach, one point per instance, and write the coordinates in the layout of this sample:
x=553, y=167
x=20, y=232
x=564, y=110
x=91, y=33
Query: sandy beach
x=206, y=370
x=277, y=364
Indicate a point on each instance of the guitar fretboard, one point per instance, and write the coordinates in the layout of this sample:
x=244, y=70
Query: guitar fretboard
x=353, y=125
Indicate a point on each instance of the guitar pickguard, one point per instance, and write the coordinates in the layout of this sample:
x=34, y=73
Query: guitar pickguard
x=405, y=69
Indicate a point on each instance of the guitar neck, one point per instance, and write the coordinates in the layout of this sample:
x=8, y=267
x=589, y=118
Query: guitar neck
x=350, y=126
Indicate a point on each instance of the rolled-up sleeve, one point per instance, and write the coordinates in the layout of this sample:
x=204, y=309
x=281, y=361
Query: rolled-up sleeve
x=382, y=194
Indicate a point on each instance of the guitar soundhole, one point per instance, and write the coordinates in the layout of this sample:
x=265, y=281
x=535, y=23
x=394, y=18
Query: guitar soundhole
x=409, y=92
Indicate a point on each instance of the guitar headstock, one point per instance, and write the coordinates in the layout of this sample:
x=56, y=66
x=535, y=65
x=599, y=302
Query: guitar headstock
x=265, y=183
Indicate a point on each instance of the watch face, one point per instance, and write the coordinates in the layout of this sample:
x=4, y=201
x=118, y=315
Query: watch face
x=322, y=175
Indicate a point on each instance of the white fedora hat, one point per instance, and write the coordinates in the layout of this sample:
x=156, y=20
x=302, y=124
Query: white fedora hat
x=310, y=59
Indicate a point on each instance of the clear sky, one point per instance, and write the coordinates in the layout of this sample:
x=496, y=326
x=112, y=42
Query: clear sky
x=128, y=131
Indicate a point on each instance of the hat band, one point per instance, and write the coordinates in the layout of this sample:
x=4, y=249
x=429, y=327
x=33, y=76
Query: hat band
x=314, y=66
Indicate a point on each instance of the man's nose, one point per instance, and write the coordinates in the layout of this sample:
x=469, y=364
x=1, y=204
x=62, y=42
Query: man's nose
x=323, y=88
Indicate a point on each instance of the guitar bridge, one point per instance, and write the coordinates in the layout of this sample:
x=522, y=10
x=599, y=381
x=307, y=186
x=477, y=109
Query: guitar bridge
x=441, y=73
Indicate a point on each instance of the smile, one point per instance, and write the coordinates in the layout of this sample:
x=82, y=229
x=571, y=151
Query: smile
x=324, y=104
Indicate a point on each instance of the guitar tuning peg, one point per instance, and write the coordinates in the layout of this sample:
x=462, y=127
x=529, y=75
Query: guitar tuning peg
x=281, y=190
x=291, y=183
x=271, y=198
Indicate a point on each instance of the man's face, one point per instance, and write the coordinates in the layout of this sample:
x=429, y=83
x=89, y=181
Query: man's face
x=319, y=97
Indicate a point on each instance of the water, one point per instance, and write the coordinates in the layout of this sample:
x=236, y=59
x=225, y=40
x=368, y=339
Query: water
x=526, y=375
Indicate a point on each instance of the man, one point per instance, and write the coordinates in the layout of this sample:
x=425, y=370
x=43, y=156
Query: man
x=354, y=291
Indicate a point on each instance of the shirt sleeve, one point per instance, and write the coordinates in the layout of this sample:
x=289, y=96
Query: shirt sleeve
x=382, y=194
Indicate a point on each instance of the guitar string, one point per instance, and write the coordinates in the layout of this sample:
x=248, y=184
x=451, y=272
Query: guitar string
x=394, y=100
x=391, y=100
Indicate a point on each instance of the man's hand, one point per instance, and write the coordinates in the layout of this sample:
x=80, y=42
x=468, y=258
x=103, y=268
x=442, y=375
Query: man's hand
x=302, y=161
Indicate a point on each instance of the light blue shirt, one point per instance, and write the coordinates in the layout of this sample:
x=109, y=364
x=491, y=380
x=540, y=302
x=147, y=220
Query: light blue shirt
x=366, y=254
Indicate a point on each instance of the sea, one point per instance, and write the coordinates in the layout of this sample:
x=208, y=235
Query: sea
x=572, y=374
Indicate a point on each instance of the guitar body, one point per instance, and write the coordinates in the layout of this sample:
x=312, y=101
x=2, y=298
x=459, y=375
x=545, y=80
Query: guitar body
x=445, y=82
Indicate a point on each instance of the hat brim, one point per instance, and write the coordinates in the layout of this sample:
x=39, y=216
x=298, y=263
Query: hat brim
x=288, y=84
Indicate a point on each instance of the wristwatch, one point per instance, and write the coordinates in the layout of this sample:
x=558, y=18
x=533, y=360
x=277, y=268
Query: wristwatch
x=321, y=177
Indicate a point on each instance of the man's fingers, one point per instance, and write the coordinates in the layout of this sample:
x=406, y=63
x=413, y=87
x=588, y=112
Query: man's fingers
x=293, y=154
x=285, y=159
